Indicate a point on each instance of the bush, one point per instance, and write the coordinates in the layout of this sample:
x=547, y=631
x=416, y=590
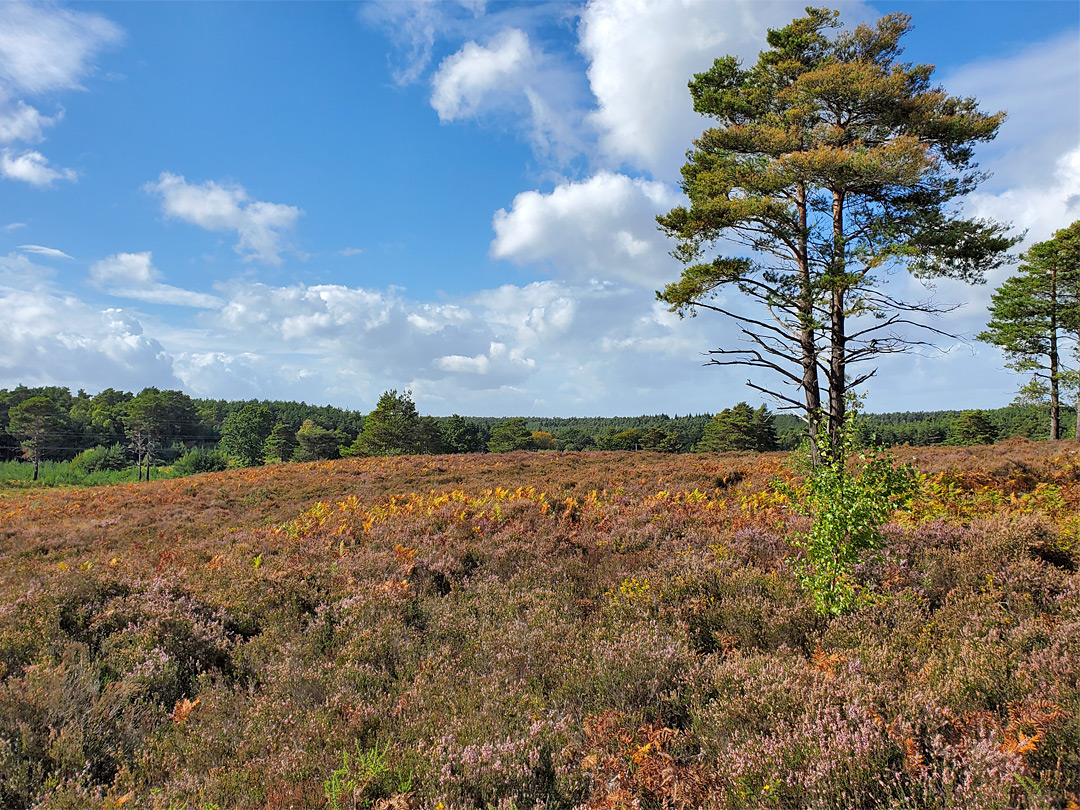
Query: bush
x=847, y=508
x=200, y=460
x=99, y=458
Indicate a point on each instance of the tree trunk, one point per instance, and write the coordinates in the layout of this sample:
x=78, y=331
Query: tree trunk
x=807, y=343
x=837, y=326
x=1055, y=430
x=37, y=461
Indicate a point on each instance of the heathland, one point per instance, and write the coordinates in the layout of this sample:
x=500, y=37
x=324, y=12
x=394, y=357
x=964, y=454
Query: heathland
x=553, y=630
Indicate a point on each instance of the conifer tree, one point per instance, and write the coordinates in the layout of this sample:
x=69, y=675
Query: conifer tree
x=461, y=436
x=36, y=422
x=1035, y=316
x=392, y=429
x=244, y=433
x=832, y=161
x=510, y=435
x=281, y=443
x=315, y=443
x=739, y=428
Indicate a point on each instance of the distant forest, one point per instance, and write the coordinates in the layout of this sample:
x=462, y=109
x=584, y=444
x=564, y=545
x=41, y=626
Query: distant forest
x=119, y=429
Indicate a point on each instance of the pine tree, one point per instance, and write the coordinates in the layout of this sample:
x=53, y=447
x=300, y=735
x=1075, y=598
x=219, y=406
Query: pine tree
x=392, y=429
x=244, y=433
x=281, y=443
x=972, y=427
x=832, y=161
x=315, y=443
x=510, y=435
x=733, y=428
x=462, y=436
x=1035, y=316
x=36, y=422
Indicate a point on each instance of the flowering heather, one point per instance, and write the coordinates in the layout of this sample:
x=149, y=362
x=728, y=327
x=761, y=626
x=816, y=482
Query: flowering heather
x=538, y=631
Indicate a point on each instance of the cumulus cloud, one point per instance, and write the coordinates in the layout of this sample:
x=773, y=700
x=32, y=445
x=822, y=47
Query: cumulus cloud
x=18, y=272
x=554, y=347
x=476, y=71
x=508, y=76
x=53, y=338
x=603, y=227
x=630, y=110
x=32, y=167
x=261, y=226
x=133, y=275
x=641, y=54
x=493, y=351
x=41, y=250
x=50, y=340
x=571, y=345
x=1038, y=208
x=498, y=353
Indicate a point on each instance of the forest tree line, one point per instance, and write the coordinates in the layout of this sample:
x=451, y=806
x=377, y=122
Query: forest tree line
x=114, y=430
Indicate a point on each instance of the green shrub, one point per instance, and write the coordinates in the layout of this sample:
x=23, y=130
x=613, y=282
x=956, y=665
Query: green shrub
x=200, y=460
x=848, y=496
x=99, y=458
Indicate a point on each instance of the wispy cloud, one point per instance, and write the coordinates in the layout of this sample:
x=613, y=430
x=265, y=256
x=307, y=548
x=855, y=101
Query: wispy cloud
x=43, y=49
x=41, y=250
x=415, y=25
x=133, y=275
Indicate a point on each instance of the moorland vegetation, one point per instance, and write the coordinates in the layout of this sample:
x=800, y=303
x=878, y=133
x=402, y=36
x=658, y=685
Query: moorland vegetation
x=540, y=630
x=87, y=441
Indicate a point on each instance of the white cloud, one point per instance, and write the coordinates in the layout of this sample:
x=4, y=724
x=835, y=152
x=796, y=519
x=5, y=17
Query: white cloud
x=1039, y=89
x=414, y=26
x=350, y=251
x=44, y=251
x=21, y=122
x=465, y=78
x=641, y=54
x=603, y=227
x=216, y=207
x=52, y=339
x=1035, y=159
x=18, y=272
x=1038, y=208
x=133, y=275
x=45, y=48
x=559, y=347
x=508, y=76
x=459, y=363
x=32, y=167
x=490, y=352
x=13, y=226
x=428, y=318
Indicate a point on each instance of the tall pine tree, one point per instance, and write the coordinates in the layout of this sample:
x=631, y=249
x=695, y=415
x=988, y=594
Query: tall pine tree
x=1035, y=315
x=832, y=161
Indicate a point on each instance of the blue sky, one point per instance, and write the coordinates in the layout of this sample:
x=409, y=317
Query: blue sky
x=321, y=201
